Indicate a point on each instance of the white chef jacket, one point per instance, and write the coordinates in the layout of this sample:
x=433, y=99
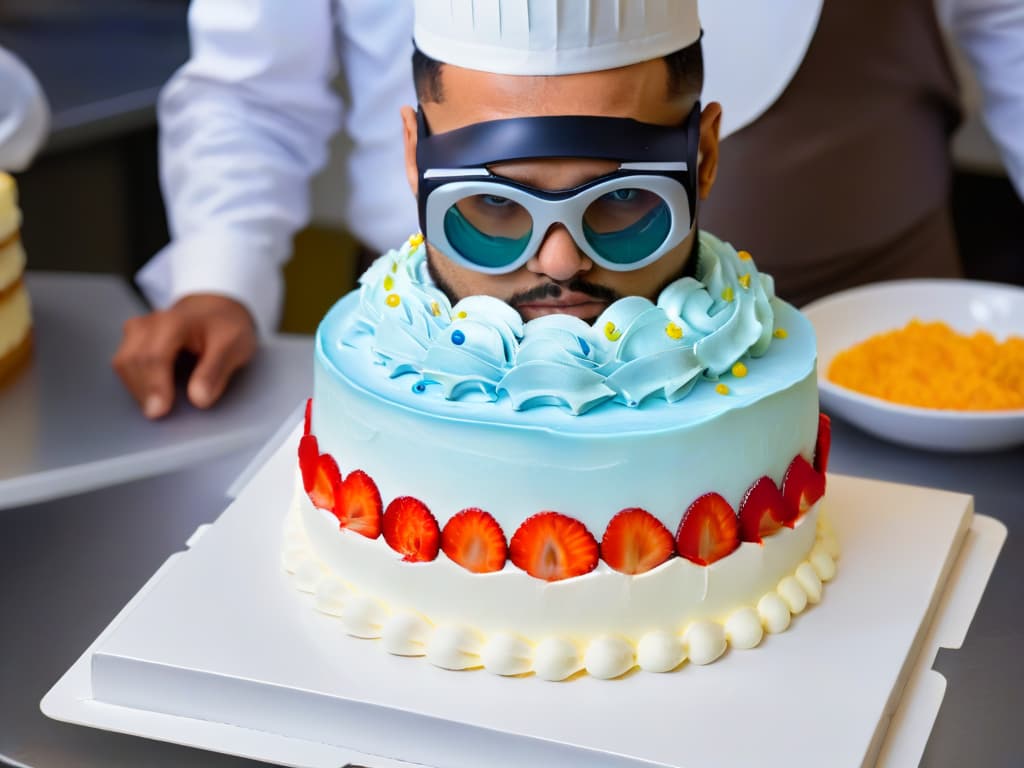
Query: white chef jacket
x=246, y=122
x=24, y=114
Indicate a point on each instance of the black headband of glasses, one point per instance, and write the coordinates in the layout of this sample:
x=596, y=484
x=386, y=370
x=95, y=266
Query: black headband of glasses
x=577, y=136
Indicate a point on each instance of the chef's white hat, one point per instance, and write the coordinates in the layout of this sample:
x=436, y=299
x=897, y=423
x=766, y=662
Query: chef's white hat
x=553, y=37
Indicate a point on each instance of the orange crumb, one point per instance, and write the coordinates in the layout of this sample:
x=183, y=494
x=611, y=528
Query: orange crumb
x=930, y=365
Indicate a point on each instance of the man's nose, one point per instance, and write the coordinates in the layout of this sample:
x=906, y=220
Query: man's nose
x=558, y=256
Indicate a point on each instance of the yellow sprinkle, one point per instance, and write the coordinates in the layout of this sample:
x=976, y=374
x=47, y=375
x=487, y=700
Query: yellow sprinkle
x=610, y=331
x=745, y=281
x=415, y=240
x=393, y=300
x=780, y=333
x=462, y=315
x=744, y=255
x=739, y=370
x=435, y=308
x=389, y=282
x=394, y=266
x=727, y=294
x=722, y=389
x=673, y=331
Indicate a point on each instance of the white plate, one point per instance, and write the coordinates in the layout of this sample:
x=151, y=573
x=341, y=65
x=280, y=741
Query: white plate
x=846, y=318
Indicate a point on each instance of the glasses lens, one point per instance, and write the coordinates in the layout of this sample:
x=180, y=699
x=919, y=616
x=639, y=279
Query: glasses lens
x=627, y=225
x=488, y=230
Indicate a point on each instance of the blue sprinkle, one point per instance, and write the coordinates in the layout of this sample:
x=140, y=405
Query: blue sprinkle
x=458, y=338
x=583, y=345
x=421, y=386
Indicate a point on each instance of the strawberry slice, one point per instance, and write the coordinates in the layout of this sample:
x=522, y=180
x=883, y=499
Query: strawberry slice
x=474, y=540
x=411, y=530
x=551, y=546
x=358, y=506
x=309, y=453
x=326, y=479
x=824, y=444
x=802, y=486
x=763, y=511
x=708, y=531
x=635, y=541
x=308, y=421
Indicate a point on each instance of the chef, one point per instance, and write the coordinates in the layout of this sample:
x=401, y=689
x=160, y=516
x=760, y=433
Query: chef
x=835, y=170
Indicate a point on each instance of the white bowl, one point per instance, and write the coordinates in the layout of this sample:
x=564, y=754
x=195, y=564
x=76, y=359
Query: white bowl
x=846, y=318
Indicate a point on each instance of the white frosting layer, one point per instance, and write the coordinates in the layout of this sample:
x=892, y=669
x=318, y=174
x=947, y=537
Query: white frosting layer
x=510, y=623
x=15, y=319
x=513, y=601
x=12, y=264
x=10, y=216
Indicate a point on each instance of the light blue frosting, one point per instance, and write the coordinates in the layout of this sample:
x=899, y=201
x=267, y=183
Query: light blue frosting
x=480, y=349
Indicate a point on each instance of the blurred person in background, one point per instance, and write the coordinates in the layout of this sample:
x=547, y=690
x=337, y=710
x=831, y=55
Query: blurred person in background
x=837, y=174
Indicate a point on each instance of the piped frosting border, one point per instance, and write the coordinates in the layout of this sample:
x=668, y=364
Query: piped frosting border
x=605, y=656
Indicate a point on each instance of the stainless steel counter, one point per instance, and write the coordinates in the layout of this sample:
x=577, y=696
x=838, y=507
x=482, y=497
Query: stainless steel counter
x=68, y=566
x=68, y=425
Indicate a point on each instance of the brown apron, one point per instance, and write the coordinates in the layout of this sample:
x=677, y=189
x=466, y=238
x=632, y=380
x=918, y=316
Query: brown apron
x=845, y=179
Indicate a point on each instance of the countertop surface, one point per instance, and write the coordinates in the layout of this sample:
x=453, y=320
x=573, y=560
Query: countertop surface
x=70, y=391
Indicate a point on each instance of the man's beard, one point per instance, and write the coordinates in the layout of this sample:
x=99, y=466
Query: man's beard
x=552, y=289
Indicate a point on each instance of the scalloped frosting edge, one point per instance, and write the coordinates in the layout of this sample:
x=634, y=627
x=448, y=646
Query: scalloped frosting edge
x=607, y=656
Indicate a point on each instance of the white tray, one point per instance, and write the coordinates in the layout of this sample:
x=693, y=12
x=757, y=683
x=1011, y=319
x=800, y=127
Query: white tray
x=219, y=651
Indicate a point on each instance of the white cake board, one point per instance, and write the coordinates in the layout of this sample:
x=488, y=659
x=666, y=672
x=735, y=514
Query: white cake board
x=219, y=651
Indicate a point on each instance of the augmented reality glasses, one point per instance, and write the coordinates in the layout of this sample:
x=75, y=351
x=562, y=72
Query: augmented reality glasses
x=622, y=221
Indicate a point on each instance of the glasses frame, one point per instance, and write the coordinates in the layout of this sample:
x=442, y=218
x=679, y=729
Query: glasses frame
x=658, y=158
x=565, y=207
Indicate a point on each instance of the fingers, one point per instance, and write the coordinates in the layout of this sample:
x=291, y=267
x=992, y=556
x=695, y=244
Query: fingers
x=219, y=330
x=145, y=360
x=226, y=347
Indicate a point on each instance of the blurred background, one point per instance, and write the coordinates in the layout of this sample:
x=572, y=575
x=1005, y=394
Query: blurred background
x=102, y=63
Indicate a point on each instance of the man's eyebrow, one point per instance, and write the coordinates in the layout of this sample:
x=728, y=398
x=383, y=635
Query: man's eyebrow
x=533, y=177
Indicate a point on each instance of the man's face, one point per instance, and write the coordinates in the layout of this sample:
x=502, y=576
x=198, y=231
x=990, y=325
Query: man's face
x=560, y=278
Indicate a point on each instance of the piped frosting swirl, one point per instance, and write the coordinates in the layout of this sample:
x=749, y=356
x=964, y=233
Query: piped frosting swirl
x=481, y=349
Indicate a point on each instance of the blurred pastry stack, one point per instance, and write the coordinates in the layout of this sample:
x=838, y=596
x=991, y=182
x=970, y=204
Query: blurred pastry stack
x=15, y=311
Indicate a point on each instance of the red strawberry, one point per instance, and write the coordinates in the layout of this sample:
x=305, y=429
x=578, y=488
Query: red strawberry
x=308, y=422
x=358, y=506
x=309, y=453
x=551, y=546
x=802, y=485
x=763, y=511
x=708, y=531
x=411, y=530
x=326, y=479
x=635, y=541
x=824, y=443
x=474, y=540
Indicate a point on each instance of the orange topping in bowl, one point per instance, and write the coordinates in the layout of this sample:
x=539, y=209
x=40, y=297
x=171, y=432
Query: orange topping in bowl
x=929, y=365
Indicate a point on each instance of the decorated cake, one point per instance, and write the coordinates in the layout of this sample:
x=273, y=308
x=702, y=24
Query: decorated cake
x=15, y=313
x=555, y=495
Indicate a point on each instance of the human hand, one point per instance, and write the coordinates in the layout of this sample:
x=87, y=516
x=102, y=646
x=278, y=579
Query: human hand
x=218, y=330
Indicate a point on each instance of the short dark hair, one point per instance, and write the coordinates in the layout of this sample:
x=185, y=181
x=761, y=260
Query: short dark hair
x=685, y=73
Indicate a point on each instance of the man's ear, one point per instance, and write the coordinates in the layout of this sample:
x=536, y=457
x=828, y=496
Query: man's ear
x=707, y=168
x=409, y=134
